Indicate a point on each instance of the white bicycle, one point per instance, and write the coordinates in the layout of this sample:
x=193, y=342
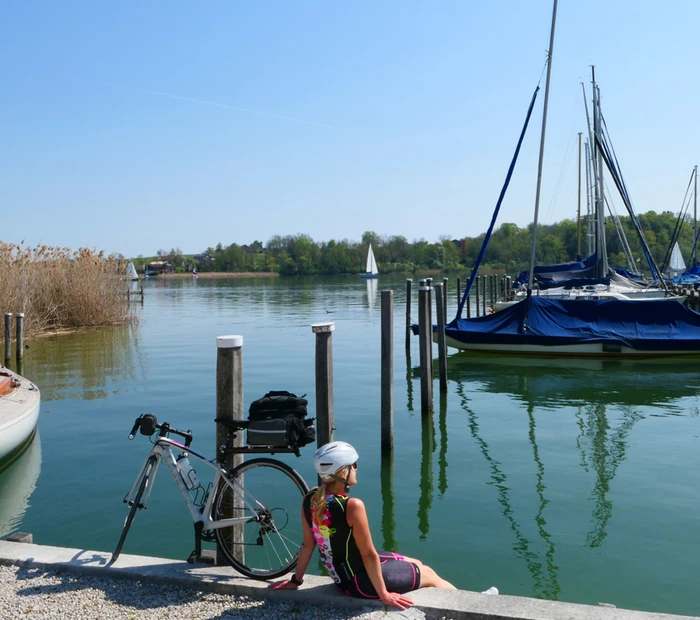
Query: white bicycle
x=257, y=526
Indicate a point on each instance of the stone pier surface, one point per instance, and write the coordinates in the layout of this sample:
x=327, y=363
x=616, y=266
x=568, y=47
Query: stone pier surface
x=312, y=600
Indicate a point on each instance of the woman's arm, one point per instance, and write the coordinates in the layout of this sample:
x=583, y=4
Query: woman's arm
x=307, y=549
x=357, y=520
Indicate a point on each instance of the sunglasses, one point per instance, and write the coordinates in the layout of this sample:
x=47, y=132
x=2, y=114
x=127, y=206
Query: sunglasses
x=354, y=465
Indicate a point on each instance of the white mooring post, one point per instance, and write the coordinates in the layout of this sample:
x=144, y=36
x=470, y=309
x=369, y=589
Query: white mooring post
x=229, y=405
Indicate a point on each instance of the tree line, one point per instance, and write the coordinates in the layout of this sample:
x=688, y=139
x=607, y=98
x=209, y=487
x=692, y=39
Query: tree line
x=508, y=250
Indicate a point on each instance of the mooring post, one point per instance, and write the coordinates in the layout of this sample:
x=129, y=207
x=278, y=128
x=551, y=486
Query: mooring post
x=442, y=349
x=425, y=336
x=444, y=298
x=8, y=337
x=483, y=299
x=408, y=314
x=429, y=282
x=19, y=327
x=478, y=293
x=229, y=405
x=324, y=382
x=387, y=371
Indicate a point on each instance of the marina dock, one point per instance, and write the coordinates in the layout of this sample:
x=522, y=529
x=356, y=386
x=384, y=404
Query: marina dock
x=317, y=591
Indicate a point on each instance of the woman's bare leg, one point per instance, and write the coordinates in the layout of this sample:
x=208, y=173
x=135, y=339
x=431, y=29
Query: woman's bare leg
x=430, y=579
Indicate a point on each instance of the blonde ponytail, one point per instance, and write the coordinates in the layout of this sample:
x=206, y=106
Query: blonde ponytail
x=318, y=503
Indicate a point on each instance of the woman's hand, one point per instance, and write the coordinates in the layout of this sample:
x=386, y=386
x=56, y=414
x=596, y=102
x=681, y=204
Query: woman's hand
x=394, y=599
x=286, y=584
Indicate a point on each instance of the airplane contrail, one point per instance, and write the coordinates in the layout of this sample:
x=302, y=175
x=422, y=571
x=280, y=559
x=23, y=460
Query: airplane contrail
x=221, y=105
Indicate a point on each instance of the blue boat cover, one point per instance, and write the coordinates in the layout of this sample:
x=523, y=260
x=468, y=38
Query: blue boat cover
x=564, y=271
x=648, y=325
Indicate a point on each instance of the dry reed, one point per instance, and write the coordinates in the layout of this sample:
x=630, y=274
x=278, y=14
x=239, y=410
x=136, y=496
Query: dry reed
x=62, y=288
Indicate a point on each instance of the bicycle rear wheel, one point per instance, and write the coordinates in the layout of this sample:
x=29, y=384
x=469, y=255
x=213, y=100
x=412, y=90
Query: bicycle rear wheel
x=136, y=504
x=269, y=495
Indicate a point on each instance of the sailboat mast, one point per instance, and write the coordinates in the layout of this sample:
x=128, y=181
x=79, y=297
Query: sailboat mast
x=541, y=159
x=589, y=210
x=578, y=219
x=694, y=261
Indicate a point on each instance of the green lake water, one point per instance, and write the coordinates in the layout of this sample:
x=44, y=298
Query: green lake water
x=574, y=481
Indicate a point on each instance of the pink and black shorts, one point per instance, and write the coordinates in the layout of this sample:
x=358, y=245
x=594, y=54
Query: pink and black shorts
x=399, y=574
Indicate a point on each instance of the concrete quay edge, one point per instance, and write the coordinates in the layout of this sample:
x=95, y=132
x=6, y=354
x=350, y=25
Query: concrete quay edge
x=434, y=603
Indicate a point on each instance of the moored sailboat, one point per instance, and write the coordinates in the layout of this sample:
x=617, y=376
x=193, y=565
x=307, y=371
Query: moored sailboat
x=582, y=325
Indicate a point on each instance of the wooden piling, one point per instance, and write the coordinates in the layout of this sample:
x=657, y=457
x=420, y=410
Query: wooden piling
x=442, y=349
x=459, y=292
x=425, y=336
x=8, y=337
x=478, y=293
x=325, y=417
x=19, y=336
x=229, y=405
x=408, y=315
x=444, y=298
x=483, y=299
x=387, y=371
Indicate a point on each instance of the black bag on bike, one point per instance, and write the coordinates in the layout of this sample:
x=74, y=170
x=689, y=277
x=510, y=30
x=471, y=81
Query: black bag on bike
x=279, y=419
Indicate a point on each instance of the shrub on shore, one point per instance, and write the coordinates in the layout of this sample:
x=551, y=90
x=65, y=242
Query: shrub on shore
x=62, y=288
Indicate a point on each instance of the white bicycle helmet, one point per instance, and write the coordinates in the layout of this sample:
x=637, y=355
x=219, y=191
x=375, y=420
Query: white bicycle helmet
x=330, y=457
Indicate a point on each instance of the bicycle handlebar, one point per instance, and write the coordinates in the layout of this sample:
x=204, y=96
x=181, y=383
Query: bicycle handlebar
x=147, y=423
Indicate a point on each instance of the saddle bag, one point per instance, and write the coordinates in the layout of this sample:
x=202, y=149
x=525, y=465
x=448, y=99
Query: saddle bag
x=278, y=419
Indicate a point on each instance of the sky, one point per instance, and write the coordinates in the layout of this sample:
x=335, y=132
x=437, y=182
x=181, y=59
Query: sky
x=133, y=126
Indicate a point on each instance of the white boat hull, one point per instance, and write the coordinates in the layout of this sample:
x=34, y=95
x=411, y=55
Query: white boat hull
x=19, y=412
x=589, y=349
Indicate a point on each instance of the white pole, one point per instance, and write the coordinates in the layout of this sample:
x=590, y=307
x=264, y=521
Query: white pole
x=541, y=159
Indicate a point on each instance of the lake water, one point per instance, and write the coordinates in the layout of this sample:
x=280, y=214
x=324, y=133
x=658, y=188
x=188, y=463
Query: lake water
x=561, y=480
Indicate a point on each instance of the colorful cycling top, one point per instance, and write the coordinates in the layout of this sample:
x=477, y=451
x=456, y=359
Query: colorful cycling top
x=336, y=543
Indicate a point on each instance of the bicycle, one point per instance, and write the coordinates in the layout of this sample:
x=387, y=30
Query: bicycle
x=256, y=527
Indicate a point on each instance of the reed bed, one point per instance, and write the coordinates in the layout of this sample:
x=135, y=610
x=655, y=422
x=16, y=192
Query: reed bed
x=59, y=288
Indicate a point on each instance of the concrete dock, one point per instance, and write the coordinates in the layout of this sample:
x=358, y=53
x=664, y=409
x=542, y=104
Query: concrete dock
x=316, y=592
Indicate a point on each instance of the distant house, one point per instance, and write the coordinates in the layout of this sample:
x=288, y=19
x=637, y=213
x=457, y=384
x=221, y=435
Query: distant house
x=158, y=267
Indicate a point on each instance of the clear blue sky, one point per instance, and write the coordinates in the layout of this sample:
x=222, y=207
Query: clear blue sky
x=133, y=126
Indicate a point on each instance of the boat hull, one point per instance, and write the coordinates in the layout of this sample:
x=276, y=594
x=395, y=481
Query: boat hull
x=602, y=328
x=598, y=349
x=19, y=412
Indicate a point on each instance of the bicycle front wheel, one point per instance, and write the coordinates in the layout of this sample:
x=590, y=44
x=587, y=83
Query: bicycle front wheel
x=268, y=496
x=146, y=480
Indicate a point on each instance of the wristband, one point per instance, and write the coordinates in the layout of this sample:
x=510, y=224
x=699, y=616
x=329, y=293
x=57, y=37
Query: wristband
x=295, y=580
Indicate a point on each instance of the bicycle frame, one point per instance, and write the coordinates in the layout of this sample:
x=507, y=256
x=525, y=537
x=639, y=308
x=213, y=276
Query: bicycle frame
x=163, y=452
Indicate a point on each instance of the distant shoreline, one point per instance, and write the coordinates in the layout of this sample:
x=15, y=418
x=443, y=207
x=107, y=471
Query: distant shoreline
x=222, y=274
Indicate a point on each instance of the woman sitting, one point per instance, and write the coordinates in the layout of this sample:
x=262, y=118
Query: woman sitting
x=338, y=524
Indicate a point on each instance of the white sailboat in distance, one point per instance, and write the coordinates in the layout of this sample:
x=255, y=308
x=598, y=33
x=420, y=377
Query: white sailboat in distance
x=131, y=272
x=371, y=270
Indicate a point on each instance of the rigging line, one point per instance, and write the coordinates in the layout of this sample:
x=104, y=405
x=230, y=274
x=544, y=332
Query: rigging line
x=482, y=251
x=610, y=159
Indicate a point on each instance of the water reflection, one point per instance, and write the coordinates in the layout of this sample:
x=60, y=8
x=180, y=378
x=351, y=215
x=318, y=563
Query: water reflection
x=579, y=381
x=372, y=285
x=607, y=398
x=18, y=478
x=545, y=584
x=425, y=500
x=87, y=365
x=388, y=506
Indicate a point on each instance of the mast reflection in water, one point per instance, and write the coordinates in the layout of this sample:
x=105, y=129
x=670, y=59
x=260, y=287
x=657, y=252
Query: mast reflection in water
x=607, y=399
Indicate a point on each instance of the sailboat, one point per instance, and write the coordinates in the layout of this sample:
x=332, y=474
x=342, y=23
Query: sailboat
x=590, y=326
x=677, y=264
x=371, y=270
x=131, y=272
